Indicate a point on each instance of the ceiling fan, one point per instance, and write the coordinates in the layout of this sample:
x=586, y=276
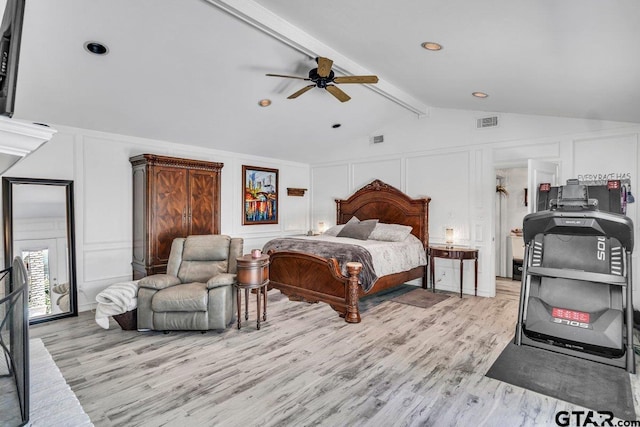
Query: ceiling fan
x=324, y=78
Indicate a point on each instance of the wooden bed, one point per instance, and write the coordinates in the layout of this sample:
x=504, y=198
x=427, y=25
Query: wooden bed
x=310, y=278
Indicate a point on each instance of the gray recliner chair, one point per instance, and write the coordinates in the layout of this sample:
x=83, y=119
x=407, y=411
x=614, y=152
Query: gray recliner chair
x=197, y=291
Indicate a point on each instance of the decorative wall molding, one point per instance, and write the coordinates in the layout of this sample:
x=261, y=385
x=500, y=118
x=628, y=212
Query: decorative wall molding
x=20, y=138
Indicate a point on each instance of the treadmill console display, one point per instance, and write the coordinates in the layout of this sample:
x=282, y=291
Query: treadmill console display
x=571, y=317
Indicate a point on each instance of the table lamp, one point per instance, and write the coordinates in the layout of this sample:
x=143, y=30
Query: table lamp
x=448, y=237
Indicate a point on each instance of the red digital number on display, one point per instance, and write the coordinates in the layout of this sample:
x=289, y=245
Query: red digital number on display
x=577, y=316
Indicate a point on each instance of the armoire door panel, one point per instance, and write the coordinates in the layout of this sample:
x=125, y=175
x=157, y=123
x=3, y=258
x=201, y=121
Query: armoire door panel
x=139, y=230
x=202, y=197
x=169, y=217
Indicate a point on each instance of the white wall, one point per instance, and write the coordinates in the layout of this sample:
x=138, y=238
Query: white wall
x=98, y=163
x=445, y=157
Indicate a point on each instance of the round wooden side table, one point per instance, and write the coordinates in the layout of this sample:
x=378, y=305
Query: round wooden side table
x=253, y=273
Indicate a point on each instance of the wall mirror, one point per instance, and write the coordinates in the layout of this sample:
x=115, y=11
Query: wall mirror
x=39, y=226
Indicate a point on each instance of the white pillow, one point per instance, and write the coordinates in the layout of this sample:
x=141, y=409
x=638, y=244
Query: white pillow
x=390, y=232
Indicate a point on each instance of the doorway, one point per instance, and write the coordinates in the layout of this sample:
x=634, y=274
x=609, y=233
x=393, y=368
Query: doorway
x=41, y=259
x=515, y=197
x=511, y=206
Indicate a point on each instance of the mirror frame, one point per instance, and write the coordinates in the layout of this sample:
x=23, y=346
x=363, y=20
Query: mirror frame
x=7, y=214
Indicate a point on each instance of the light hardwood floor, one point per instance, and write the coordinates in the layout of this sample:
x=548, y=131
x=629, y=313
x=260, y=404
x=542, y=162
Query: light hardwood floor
x=403, y=365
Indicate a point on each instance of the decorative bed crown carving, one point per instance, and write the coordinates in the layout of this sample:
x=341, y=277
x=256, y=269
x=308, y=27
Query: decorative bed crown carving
x=378, y=185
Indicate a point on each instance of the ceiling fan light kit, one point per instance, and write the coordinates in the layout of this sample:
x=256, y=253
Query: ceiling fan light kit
x=324, y=78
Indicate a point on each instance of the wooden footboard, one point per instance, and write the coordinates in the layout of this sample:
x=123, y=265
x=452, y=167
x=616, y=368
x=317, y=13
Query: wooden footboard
x=310, y=278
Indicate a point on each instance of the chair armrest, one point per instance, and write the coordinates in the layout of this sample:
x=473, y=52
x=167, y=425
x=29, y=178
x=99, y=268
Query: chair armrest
x=223, y=279
x=158, y=281
x=62, y=288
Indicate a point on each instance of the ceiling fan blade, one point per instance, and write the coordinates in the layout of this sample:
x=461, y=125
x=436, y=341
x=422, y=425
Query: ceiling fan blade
x=356, y=79
x=338, y=93
x=300, y=92
x=288, y=77
x=324, y=66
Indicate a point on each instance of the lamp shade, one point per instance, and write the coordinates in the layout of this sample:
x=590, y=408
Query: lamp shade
x=448, y=236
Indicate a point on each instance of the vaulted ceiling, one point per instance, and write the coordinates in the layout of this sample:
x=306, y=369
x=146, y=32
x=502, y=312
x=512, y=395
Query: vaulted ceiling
x=193, y=71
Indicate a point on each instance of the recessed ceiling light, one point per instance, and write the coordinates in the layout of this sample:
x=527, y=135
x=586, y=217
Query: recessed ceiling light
x=479, y=94
x=96, y=48
x=264, y=102
x=432, y=46
x=336, y=125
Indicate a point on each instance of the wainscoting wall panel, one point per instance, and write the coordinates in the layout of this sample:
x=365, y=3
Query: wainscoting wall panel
x=477, y=184
x=102, y=262
x=445, y=178
x=389, y=171
x=328, y=183
x=294, y=210
x=511, y=152
x=106, y=177
x=612, y=157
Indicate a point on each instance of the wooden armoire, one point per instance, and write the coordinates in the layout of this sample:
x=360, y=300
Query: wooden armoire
x=172, y=198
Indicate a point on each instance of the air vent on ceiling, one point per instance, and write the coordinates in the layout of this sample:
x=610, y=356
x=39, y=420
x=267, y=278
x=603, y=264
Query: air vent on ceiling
x=487, y=122
x=377, y=139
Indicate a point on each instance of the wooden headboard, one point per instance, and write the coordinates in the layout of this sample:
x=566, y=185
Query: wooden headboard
x=381, y=201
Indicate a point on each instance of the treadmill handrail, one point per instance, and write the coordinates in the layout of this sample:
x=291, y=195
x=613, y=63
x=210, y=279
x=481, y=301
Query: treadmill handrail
x=565, y=273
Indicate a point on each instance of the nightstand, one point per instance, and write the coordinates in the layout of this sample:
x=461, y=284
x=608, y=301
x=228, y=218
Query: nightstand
x=253, y=273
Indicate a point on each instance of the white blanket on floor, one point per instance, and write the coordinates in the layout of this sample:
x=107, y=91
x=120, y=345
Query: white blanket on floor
x=116, y=299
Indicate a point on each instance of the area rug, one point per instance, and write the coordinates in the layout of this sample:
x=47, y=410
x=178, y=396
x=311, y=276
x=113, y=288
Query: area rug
x=370, y=302
x=421, y=298
x=52, y=402
x=582, y=382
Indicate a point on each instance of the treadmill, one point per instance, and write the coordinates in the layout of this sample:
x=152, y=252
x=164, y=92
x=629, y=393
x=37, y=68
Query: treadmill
x=576, y=294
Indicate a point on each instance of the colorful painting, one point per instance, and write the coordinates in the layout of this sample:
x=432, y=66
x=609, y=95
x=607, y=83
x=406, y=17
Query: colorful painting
x=260, y=200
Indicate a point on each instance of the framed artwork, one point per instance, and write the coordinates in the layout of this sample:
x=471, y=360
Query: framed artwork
x=260, y=195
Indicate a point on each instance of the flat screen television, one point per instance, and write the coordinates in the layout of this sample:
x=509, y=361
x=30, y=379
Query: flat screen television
x=10, y=32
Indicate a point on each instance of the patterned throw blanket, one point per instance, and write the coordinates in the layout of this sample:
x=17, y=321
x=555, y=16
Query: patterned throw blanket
x=342, y=252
